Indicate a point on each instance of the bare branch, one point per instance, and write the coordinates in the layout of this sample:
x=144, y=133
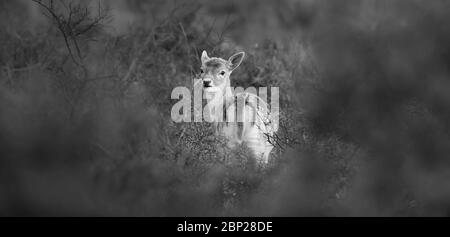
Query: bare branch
x=77, y=22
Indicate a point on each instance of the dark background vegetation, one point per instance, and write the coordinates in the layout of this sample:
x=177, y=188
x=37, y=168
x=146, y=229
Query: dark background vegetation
x=85, y=124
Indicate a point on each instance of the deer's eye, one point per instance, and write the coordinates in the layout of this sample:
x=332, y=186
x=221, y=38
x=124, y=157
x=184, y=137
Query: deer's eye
x=222, y=73
x=201, y=71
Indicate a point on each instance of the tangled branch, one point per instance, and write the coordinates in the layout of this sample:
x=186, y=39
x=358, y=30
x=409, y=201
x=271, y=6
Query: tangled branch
x=77, y=20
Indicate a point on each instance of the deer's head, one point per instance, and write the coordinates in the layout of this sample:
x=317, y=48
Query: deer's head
x=215, y=72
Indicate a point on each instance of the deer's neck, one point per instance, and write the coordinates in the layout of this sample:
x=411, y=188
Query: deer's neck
x=218, y=104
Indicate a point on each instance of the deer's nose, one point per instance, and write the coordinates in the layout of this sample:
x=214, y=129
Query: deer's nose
x=206, y=83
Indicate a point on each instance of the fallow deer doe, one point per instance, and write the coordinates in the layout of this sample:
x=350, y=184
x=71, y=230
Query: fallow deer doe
x=248, y=122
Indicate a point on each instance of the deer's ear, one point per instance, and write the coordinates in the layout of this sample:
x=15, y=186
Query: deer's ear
x=204, y=57
x=235, y=60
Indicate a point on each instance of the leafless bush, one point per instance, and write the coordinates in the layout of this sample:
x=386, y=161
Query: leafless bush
x=75, y=21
